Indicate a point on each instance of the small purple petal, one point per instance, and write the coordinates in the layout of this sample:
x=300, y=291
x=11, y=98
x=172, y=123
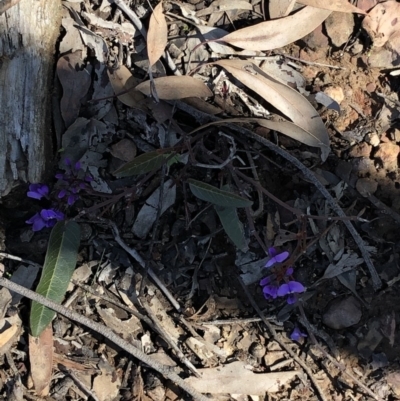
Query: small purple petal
x=82, y=185
x=38, y=191
x=60, y=176
x=295, y=286
x=265, y=281
x=297, y=334
x=34, y=195
x=62, y=193
x=291, y=299
x=272, y=252
x=270, y=290
x=67, y=161
x=77, y=166
x=37, y=221
x=289, y=271
x=277, y=258
x=88, y=178
x=283, y=290
x=72, y=199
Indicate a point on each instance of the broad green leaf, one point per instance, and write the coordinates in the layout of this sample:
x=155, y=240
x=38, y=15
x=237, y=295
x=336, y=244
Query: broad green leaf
x=58, y=267
x=217, y=196
x=232, y=226
x=142, y=164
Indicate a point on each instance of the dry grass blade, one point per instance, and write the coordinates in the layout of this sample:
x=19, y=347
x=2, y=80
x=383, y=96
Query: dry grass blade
x=122, y=82
x=279, y=32
x=287, y=100
x=176, y=87
x=157, y=36
x=342, y=6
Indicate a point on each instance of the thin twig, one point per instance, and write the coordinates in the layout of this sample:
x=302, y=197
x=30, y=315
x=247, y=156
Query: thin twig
x=309, y=62
x=107, y=333
x=170, y=341
x=142, y=263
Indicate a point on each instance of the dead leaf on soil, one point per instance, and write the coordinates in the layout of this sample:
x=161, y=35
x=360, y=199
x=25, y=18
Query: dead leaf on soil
x=106, y=386
x=342, y=6
x=121, y=80
x=176, y=87
x=157, y=37
x=312, y=130
x=75, y=80
x=280, y=8
x=41, y=360
x=234, y=378
x=277, y=33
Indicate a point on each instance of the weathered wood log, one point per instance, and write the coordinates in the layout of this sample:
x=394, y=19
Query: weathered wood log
x=28, y=34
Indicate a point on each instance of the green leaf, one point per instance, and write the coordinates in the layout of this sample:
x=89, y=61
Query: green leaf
x=58, y=267
x=142, y=164
x=232, y=226
x=217, y=196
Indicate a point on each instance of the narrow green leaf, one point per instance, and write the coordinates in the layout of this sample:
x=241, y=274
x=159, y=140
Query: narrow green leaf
x=232, y=226
x=58, y=267
x=217, y=196
x=142, y=164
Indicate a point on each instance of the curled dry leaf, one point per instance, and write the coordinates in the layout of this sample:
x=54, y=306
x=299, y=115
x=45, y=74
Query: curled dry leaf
x=176, y=87
x=291, y=103
x=334, y=5
x=280, y=32
x=157, y=36
x=121, y=80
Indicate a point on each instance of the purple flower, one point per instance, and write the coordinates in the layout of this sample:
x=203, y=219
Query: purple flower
x=276, y=257
x=291, y=288
x=38, y=191
x=46, y=218
x=270, y=291
x=297, y=334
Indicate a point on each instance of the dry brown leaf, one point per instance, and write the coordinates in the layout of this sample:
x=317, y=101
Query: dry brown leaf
x=342, y=6
x=311, y=129
x=280, y=8
x=176, y=87
x=41, y=360
x=279, y=32
x=75, y=80
x=121, y=79
x=235, y=378
x=157, y=36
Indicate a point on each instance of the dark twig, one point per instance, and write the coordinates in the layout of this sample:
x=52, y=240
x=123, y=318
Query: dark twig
x=107, y=333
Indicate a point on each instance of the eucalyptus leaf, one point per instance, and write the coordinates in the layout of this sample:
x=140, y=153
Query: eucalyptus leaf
x=57, y=270
x=232, y=226
x=142, y=164
x=217, y=196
